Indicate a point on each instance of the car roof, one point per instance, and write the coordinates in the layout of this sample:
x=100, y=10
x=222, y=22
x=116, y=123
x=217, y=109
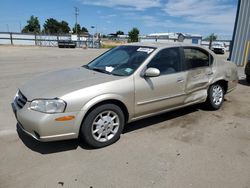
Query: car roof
x=162, y=45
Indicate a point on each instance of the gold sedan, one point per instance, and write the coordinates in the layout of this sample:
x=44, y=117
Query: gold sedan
x=127, y=83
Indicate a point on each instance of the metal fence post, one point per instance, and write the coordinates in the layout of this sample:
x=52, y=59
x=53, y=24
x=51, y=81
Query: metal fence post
x=11, y=39
x=35, y=40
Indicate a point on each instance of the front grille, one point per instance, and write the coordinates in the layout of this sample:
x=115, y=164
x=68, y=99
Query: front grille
x=20, y=100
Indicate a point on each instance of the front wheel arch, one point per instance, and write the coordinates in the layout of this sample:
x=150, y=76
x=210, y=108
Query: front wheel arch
x=86, y=130
x=110, y=101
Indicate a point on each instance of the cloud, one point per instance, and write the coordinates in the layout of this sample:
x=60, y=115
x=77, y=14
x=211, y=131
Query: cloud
x=169, y=25
x=124, y=4
x=107, y=16
x=219, y=12
x=180, y=15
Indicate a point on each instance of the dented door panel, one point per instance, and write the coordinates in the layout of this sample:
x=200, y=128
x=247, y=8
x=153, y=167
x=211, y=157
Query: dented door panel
x=198, y=79
x=198, y=64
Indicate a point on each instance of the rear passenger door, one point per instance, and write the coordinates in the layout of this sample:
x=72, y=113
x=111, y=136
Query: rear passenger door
x=198, y=64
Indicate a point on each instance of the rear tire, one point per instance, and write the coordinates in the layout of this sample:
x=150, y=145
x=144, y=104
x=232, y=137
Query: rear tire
x=215, y=96
x=103, y=126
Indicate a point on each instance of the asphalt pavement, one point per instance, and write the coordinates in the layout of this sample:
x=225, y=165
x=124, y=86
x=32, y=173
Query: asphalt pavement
x=191, y=147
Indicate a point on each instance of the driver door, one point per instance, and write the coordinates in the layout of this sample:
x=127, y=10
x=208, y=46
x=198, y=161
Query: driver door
x=153, y=94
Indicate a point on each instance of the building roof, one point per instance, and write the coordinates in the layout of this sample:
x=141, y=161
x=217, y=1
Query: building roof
x=191, y=35
x=174, y=35
x=169, y=35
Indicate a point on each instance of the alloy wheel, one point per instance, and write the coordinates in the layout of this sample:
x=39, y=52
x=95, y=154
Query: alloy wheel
x=217, y=95
x=105, y=126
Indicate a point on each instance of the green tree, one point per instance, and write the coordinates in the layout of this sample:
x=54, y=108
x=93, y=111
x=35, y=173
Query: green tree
x=84, y=30
x=33, y=25
x=134, y=35
x=64, y=27
x=51, y=26
x=212, y=37
x=77, y=28
x=119, y=33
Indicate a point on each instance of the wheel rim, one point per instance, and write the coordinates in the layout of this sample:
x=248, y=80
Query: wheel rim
x=105, y=126
x=217, y=95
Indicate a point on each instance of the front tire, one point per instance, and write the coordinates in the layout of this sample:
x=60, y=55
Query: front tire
x=103, y=126
x=215, y=96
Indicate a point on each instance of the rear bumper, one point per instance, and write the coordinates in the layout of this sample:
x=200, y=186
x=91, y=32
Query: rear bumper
x=66, y=44
x=232, y=85
x=218, y=50
x=43, y=127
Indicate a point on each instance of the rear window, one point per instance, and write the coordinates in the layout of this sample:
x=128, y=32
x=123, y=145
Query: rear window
x=195, y=58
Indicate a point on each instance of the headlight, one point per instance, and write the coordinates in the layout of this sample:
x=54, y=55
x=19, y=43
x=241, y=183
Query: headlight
x=48, y=105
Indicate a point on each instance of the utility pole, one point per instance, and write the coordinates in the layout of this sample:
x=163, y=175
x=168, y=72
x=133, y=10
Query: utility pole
x=76, y=14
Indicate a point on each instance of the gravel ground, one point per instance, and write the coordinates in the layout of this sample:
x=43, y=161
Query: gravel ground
x=191, y=147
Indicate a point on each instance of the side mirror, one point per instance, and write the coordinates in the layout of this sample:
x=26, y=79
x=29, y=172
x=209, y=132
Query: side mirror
x=152, y=72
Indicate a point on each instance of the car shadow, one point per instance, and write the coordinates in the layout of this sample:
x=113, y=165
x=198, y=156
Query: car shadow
x=147, y=122
x=244, y=82
x=50, y=147
x=61, y=146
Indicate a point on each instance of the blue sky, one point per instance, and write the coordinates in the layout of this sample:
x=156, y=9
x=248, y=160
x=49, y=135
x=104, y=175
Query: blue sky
x=108, y=16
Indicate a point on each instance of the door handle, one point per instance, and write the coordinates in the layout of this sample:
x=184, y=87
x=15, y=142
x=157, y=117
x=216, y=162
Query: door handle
x=180, y=79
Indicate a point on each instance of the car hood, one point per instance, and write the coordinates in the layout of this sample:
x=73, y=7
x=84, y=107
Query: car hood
x=59, y=83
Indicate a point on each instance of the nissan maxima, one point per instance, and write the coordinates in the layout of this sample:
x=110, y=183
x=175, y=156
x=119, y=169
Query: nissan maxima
x=126, y=83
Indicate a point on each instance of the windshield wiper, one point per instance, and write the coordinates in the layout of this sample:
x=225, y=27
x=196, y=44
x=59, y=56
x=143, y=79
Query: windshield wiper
x=86, y=66
x=100, y=70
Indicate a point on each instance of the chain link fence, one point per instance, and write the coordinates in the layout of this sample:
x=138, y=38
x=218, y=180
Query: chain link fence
x=10, y=38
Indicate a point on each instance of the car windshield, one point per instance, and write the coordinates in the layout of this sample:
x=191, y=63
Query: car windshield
x=121, y=61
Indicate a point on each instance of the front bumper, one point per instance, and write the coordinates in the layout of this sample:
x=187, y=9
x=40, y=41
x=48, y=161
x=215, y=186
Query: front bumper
x=219, y=50
x=42, y=126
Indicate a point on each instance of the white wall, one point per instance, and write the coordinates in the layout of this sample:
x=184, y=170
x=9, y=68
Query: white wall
x=29, y=39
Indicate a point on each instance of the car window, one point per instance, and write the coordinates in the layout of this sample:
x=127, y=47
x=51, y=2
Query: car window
x=194, y=58
x=118, y=56
x=122, y=60
x=167, y=61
